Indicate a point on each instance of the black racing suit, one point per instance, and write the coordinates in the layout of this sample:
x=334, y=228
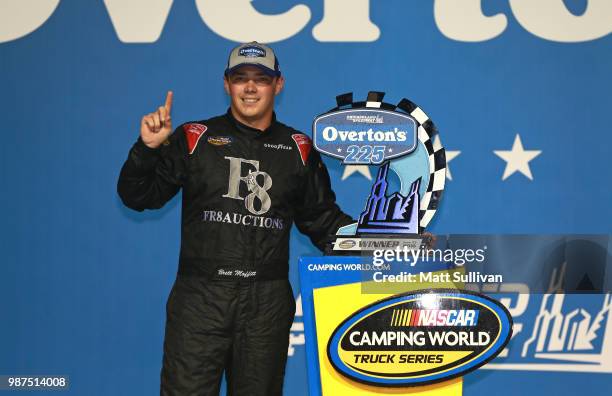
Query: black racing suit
x=231, y=306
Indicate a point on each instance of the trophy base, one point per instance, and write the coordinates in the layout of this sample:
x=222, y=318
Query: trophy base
x=358, y=245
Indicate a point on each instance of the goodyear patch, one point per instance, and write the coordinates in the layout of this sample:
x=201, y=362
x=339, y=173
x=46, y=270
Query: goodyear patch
x=219, y=140
x=419, y=338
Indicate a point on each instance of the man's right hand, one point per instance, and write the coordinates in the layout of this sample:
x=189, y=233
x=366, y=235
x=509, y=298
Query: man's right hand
x=157, y=126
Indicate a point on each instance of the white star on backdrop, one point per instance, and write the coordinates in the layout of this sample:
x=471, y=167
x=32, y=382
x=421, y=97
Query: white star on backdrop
x=450, y=155
x=517, y=159
x=350, y=169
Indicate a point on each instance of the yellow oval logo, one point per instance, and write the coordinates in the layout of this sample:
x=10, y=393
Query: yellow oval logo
x=420, y=338
x=347, y=244
x=219, y=140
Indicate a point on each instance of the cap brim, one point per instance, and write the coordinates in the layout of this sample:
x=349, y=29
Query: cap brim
x=268, y=71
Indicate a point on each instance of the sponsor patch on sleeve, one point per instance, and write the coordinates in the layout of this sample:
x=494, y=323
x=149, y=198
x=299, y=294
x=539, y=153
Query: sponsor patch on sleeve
x=304, y=145
x=193, y=133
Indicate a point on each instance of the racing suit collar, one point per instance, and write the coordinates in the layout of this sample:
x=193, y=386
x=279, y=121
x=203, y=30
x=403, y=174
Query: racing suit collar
x=247, y=128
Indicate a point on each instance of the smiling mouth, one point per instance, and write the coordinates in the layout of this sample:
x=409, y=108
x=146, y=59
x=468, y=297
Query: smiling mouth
x=250, y=100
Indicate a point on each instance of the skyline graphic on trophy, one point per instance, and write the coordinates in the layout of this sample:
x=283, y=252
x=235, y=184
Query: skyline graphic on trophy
x=390, y=214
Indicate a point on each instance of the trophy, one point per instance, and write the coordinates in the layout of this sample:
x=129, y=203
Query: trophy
x=401, y=140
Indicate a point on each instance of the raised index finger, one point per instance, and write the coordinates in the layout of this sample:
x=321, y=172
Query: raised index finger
x=168, y=104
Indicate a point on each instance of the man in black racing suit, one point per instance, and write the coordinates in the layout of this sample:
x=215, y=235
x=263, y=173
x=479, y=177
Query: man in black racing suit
x=246, y=178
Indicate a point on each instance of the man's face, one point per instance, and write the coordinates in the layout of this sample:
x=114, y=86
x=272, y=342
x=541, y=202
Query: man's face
x=252, y=93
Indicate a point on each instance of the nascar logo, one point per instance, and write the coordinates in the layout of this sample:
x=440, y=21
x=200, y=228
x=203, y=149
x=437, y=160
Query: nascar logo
x=434, y=317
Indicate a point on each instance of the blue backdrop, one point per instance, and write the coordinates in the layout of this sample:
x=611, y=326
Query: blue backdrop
x=84, y=281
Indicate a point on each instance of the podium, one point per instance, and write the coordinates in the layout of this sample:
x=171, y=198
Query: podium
x=333, y=288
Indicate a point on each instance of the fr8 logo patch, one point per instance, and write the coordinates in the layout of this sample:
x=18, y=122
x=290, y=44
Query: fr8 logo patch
x=258, y=192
